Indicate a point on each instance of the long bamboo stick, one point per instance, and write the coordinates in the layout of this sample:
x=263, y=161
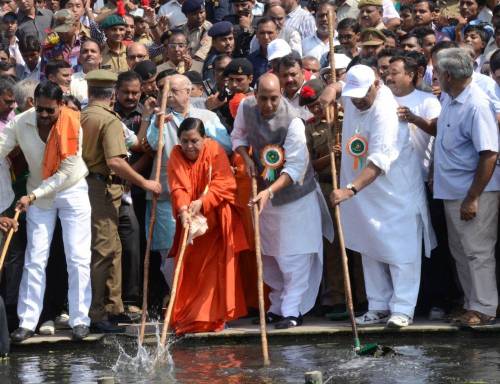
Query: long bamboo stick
x=154, y=204
x=7, y=241
x=260, y=280
x=173, y=290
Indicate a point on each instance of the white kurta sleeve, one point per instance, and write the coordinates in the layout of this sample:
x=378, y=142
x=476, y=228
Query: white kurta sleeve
x=239, y=133
x=296, y=153
x=8, y=139
x=383, y=146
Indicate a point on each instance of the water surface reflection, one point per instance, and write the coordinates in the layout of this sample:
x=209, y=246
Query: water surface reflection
x=422, y=359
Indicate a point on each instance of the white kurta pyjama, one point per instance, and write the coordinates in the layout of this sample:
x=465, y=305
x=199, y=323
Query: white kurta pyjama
x=291, y=234
x=385, y=221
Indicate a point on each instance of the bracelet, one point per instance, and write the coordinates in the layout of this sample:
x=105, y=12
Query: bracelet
x=271, y=194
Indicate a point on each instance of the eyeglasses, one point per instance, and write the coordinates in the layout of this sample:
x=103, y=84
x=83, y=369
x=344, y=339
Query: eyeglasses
x=177, y=45
x=50, y=111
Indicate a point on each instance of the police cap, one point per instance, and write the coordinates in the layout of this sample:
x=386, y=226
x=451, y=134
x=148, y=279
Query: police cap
x=222, y=28
x=101, y=78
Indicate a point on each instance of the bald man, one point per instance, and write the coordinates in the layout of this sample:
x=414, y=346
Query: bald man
x=136, y=52
x=178, y=108
x=289, y=200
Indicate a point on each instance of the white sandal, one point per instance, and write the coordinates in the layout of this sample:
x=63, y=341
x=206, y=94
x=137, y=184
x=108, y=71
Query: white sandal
x=399, y=320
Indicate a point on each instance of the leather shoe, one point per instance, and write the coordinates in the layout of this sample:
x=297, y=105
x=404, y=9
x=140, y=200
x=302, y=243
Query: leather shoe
x=80, y=332
x=105, y=326
x=271, y=318
x=289, y=322
x=21, y=334
x=125, y=318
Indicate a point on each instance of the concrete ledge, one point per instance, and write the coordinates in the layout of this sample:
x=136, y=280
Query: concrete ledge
x=60, y=337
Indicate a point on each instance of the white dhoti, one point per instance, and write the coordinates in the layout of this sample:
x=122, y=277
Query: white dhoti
x=292, y=248
x=72, y=206
x=393, y=286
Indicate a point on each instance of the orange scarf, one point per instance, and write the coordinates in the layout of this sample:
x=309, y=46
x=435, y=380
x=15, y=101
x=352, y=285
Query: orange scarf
x=62, y=141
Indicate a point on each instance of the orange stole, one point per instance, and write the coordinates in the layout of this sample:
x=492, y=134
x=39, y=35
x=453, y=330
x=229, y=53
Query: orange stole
x=62, y=141
x=209, y=291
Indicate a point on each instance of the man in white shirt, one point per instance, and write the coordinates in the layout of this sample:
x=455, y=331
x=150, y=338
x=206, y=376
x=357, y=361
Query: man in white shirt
x=383, y=205
x=289, y=201
x=57, y=188
x=317, y=45
x=298, y=18
x=90, y=59
x=291, y=75
x=416, y=107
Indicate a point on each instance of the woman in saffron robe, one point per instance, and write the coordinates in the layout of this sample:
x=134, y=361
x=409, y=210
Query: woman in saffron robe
x=209, y=291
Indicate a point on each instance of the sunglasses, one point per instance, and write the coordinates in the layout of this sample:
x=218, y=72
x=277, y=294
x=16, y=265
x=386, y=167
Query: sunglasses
x=50, y=111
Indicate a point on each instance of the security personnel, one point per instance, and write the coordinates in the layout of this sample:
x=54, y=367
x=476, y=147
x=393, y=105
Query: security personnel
x=105, y=154
x=332, y=297
x=222, y=42
x=245, y=25
x=114, y=54
x=239, y=74
x=196, y=31
x=371, y=41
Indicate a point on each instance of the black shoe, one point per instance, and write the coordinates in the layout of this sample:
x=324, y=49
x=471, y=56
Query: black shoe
x=271, y=318
x=125, y=318
x=21, y=334
x=289, y=322
x=80, y=332
x=106, y=327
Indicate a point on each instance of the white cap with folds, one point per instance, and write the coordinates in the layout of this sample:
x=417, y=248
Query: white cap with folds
x=358, y=80
x=278, y=48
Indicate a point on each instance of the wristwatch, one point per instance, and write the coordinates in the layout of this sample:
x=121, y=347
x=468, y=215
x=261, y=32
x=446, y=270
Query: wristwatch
x=352, y=188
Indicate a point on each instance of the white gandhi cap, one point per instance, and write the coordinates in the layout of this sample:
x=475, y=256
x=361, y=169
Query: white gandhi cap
x=278, y=48
x=358, y=80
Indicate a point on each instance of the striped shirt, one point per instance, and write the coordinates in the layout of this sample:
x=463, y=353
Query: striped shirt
x=302, y=21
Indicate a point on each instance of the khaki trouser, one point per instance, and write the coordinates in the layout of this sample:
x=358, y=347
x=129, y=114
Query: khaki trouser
x=472, y=244
x=106, y=271
x=332, y=286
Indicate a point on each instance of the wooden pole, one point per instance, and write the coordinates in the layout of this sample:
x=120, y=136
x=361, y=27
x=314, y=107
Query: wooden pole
x=340, y=232
x=260, y=280
x=173, y=290
x=7, y=241
x=154, y=204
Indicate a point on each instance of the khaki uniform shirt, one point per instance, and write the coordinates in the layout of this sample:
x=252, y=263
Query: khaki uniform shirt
x=102, y=137
x=317, y=144
x=199, y=43
x=115, y=61
x=180, y=68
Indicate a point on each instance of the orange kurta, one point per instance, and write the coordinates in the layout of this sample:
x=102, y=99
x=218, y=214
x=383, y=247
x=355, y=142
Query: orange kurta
x=209, y=291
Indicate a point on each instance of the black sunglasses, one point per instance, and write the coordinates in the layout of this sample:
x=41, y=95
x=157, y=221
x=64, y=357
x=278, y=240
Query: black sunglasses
x=50, y=111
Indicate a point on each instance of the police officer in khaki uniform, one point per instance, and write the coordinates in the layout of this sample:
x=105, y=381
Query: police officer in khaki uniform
x=105, y=153
x=332, y=296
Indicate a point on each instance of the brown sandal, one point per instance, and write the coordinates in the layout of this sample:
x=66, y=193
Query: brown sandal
x=475, y=318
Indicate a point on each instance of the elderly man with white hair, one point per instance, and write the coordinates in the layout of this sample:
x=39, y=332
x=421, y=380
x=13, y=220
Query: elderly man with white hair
x=467, y=178
x=178, y=108
x=384, y=209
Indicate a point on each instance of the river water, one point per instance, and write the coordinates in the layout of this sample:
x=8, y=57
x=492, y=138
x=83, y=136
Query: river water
x=429, y=358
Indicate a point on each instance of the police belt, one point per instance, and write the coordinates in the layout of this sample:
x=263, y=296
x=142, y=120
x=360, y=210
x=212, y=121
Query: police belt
x=110, y=179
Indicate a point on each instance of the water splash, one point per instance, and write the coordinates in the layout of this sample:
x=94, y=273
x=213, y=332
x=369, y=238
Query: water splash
x=148, y=360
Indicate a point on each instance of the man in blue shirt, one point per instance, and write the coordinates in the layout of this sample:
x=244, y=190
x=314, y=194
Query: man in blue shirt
x=467, y=178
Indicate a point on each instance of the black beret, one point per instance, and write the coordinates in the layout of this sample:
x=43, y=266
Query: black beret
x=239, y=66
x=145, y=69
x=192, y=6
x=222, y=28
x=194, y=76
x=311, y=91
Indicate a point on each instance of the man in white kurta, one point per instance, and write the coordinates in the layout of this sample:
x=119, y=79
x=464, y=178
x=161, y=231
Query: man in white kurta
x=64, y=194
x=387, y=220
x=290, y=220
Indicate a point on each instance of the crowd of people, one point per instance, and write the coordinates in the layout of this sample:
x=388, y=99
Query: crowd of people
x=408, y=106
